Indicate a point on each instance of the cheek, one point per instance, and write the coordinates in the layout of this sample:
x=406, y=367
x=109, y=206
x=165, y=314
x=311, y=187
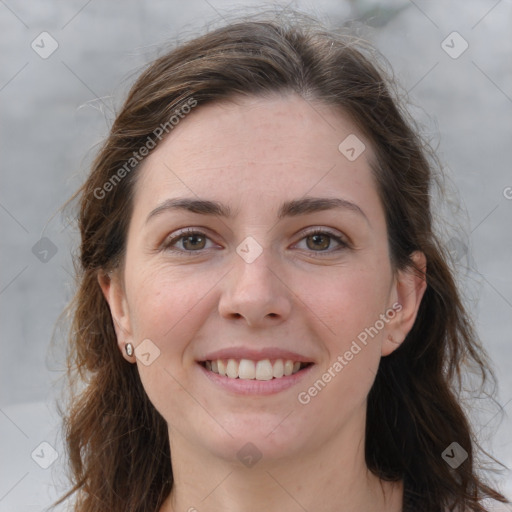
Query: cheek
x=162, y=299
x=168, y=306
x=350, y=301
x=351, y=308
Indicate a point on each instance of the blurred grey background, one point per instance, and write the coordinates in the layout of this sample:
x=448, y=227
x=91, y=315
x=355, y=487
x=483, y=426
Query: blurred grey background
x=66, y=65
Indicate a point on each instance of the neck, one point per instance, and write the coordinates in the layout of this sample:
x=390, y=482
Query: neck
x=333, y=475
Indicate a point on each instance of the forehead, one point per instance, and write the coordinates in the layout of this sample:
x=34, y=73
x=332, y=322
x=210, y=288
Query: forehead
x=267, y=148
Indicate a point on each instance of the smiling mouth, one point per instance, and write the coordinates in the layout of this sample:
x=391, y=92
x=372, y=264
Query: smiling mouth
x=247, y=369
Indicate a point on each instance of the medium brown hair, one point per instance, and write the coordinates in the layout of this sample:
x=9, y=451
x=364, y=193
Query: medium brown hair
x=117, y=442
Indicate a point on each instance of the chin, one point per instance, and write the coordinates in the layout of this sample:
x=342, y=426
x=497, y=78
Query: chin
x=254, y=436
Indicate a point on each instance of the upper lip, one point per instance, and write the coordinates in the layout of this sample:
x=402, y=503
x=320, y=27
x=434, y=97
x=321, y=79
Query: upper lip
x=255, y=355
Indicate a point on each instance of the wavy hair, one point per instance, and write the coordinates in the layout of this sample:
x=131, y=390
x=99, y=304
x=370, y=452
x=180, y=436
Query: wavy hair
x=117, y=442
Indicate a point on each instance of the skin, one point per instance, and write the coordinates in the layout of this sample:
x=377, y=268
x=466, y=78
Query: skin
x=299, y=294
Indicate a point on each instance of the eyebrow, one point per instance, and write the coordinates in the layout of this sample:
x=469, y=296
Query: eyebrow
x=302, y=206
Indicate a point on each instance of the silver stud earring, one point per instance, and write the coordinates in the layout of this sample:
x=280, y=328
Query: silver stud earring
x=129, y=349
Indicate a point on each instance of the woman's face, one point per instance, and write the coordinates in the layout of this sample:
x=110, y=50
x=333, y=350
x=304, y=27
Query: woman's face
x=253, y=284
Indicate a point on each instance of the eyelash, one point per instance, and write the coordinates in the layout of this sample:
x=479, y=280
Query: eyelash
x=191, y=232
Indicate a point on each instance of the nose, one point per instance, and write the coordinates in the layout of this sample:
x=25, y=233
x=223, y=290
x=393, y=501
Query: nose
x=256, y=292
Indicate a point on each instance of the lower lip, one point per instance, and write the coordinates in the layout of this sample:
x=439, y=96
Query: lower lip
x=256, y=387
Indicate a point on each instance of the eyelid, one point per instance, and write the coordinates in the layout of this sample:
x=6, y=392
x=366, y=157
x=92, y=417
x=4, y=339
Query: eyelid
x=320, y=229
x=181, y=233
x=341, y=239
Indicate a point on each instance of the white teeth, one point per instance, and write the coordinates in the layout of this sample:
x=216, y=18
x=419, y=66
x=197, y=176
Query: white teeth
x=246, y=369
x=250, y=370
x=264, y=370
x=288, y=367
x=221, y=367
x=278, y=370
x=232, y=369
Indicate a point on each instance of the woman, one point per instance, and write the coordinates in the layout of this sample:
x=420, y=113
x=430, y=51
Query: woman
x=265, y=319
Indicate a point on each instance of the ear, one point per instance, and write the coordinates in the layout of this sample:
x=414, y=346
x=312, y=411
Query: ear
x=113, y=290
x=408, y=289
